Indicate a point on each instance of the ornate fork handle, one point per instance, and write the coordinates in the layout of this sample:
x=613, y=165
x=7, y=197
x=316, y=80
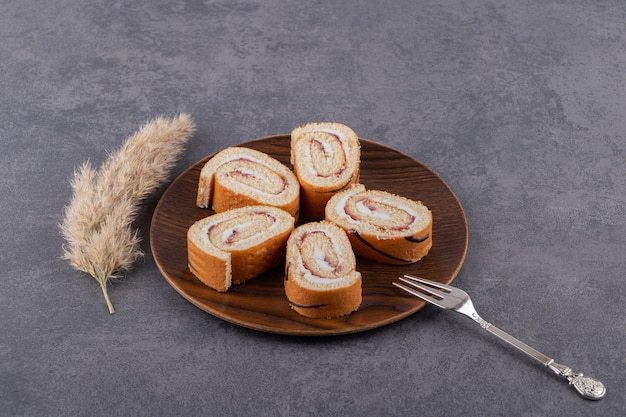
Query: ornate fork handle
x=448, y=297
x=586, y=386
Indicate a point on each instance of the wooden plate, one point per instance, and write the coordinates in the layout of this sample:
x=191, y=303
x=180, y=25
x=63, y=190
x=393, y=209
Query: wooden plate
x=261, y=304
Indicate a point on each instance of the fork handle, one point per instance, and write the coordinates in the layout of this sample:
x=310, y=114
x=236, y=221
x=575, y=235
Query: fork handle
x=586, y=386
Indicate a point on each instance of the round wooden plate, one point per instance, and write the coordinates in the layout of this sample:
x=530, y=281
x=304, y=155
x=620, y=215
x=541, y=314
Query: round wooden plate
x=261, y=304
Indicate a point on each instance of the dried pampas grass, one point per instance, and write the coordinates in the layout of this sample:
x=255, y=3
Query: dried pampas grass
x=98, y=221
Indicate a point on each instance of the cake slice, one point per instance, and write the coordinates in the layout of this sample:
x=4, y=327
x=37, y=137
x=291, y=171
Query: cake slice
x=238, y=177
x=237, y=245
x=326, y=159
x=321, y=280
x=382, y=226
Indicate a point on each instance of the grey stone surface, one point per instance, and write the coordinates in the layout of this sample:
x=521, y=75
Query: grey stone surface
x=517, y=105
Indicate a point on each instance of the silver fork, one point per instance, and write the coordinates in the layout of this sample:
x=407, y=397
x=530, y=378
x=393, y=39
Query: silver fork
x=452, y=298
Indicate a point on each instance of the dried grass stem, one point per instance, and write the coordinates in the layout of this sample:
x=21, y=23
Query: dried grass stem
x=97, y=224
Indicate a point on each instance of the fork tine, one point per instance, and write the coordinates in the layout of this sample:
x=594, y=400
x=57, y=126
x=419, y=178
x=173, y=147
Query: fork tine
x=444, y=287
x=428, y=293
x=442, y=295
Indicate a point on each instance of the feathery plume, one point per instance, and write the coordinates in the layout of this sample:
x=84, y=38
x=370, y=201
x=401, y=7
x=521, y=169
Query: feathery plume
x=97, y=225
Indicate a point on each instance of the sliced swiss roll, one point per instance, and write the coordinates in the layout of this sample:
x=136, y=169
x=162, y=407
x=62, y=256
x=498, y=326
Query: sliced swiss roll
x=326, y=159
x=321, y=280
x=238, y=177
x=236, y=245
x=382, y=226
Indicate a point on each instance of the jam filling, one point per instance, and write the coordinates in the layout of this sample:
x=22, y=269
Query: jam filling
x=319, y=256
x=379, y=214
x=257, y=176
x=238, y=229
x=328, y=157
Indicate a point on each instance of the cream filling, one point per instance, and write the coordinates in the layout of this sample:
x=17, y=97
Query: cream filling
x=341, y=209
x=363, y=209
x=254, y=174
x=321, y=261
x=230, y=231
x=327, y=149
x=248, y=158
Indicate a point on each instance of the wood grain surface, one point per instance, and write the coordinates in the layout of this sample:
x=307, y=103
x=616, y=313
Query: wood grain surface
x=261, y=304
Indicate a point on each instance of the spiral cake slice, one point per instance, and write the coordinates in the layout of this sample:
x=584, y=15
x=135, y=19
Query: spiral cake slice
x=382, y=226
x=239, y=177
x=326, y=159
x=237, y=245
x=321, y=280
